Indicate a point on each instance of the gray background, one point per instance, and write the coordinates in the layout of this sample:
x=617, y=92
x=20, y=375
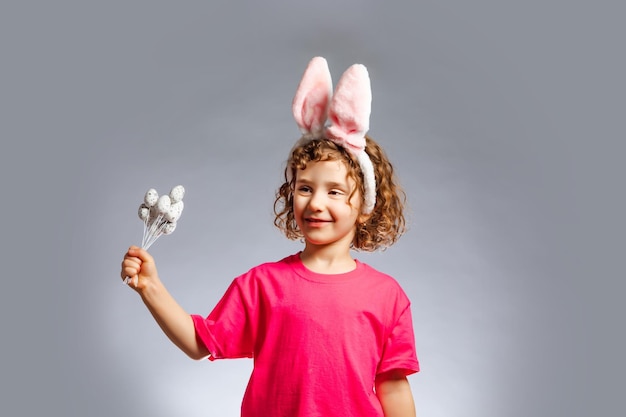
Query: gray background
x=503, y=120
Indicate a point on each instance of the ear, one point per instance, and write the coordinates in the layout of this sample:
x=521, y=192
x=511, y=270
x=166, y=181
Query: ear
x=350, y=108
x=310, y=104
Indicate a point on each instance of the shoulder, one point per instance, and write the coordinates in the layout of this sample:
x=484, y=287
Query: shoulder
x=378, y=275
x=259, y=279
x=384, y=282
x=268, y=269
x=285, y=263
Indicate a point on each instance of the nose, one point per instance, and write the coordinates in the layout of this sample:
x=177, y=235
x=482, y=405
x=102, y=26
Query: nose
x=316, y=202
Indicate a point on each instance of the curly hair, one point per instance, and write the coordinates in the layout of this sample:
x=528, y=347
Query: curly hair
x=382, y=228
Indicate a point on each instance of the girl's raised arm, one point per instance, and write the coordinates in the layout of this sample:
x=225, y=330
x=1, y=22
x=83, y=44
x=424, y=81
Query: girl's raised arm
x=176, y=323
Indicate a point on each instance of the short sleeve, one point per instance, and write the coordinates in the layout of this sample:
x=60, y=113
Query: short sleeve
x=399, y=349
x=227, y=332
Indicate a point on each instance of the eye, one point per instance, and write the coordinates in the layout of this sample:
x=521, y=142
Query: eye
x=303, y=189
x=335, y=192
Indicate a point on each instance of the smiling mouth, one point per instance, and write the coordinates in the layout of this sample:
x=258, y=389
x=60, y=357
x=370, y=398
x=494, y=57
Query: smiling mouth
x=316, y=221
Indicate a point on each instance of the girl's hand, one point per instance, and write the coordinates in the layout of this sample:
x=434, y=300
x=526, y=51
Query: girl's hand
x=139, y=269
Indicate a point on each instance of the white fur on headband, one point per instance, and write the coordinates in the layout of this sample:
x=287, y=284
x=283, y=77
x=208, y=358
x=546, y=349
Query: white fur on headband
x=348, y=111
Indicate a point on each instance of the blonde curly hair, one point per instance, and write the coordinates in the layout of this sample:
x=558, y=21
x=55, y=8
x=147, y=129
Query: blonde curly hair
x=382, y=227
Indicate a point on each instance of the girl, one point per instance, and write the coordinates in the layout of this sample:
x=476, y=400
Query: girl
x=330, y=336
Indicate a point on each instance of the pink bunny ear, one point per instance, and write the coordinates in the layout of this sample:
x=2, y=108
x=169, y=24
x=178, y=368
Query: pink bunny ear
x=310, y=104
x=350, y=108
x=349, y=113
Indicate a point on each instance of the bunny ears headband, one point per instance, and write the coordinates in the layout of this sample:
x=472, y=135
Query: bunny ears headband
x=348, y=111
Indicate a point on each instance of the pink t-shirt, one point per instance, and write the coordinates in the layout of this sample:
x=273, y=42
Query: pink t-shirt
x=318, y=341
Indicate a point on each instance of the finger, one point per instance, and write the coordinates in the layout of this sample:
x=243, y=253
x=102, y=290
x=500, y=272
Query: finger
x=132, y=282
x=142, y=254
x=130, y=267
x=131, y=258
x=129, y=272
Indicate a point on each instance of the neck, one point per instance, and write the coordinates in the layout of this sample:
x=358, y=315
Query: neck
x=327, y=260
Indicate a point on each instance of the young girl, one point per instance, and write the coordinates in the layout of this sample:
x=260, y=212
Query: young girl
x=330, y=336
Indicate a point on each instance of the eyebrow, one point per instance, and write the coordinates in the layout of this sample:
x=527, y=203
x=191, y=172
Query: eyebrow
x=331, y=184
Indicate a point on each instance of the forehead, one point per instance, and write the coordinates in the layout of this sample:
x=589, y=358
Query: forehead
x=325, y=171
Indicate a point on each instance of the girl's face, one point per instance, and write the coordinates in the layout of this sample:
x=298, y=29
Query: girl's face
x=323, y=209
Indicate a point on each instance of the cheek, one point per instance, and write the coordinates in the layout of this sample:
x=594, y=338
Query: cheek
x=297, y=206
x=355, y=211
